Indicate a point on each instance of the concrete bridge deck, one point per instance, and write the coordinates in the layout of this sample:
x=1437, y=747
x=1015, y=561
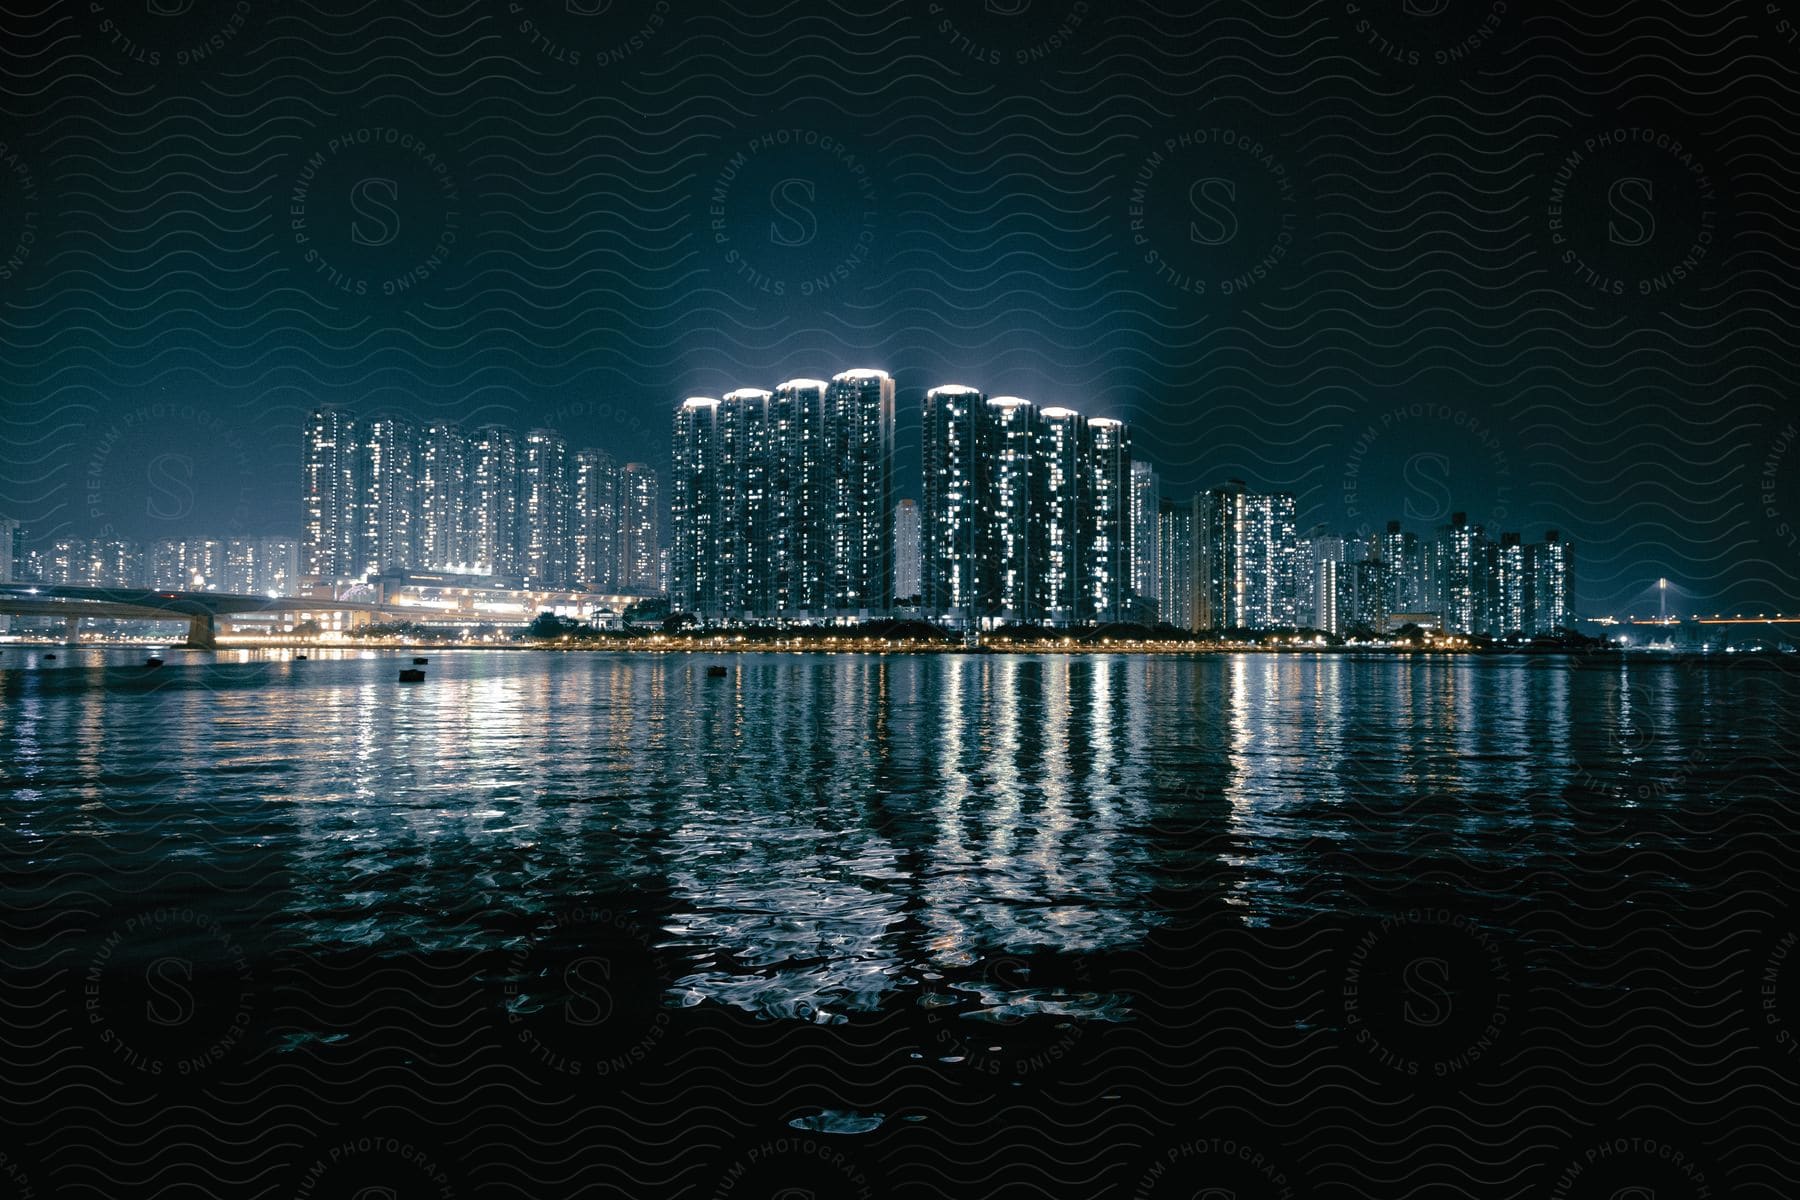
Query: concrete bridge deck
x=200, y=609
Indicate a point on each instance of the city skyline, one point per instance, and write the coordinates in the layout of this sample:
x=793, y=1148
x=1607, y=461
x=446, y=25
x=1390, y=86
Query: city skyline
x=417, y=517
x=1030, y=515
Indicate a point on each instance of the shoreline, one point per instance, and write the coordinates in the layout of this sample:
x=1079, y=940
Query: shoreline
x=664, y=646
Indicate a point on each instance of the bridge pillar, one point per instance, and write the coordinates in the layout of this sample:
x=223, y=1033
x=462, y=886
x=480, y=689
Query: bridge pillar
x=202, y=634
x=74, y=625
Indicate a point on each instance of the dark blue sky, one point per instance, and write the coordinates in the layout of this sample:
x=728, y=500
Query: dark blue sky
x=1532, y=262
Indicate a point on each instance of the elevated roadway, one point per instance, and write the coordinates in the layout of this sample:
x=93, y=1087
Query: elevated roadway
x=201, y=610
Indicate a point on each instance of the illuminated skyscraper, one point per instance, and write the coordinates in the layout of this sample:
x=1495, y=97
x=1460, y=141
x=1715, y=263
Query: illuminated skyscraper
x=1006, y=504
x=951, y=561
x=241, y=557
x=695, y=510
x=1146, y=546
x=328, y=501
x=747, y=503
x=108, y=563
x=1215, y=523
x=1267, y=562
x=165, y=562
x=10, y=539
x=593, y=525
x=442, y=494
x=1550, y=578
x=277, y=567
x=859, y=466
x=1366, y=608
x=802, y=493
x=207, y=558
x=1106, y=514
x=1322, y=583
x=1403, y=571
x=908, y=550
x=9, y=550
x=1246, y=557
x=1062, y=467
x=544, y=509
x=1461, y=575
x=493, y=500
x=10, y=546
x=197, y=565
x=1175, y=563
x=640, y=549
x=386, y=466
x=65, y=563
x=1506, y=586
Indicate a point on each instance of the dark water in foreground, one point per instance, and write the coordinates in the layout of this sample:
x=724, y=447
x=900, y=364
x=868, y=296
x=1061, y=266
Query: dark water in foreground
x=857, y=925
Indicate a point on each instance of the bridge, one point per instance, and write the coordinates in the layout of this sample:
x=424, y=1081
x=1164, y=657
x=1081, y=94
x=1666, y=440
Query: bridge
x=200, y=610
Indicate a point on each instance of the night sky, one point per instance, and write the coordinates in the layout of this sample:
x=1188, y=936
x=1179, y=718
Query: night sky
x=1402, y=257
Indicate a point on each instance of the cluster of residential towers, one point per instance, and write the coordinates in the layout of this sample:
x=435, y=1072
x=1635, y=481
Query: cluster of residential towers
x=384, y=495
x=782, y=509
x=1229, y=559
x=781, y=502
x=264, y=566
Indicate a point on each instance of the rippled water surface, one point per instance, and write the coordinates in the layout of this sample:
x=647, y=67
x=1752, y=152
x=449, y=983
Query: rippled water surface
x=832, y=895
x=817, y=833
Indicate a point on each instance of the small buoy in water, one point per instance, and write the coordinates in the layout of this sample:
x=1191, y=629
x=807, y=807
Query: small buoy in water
x=153, y=661
x=411, y=675
x=716, y=672
x=421, y=661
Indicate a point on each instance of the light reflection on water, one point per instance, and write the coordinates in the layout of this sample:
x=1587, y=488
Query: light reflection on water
x=819, y=833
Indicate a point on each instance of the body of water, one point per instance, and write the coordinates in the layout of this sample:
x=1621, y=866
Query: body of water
x=861, y=924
